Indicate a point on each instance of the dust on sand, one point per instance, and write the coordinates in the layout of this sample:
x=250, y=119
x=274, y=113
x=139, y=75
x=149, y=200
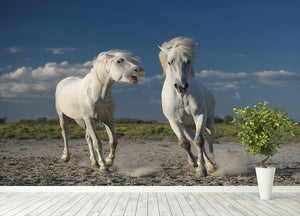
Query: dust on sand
x=138, y=162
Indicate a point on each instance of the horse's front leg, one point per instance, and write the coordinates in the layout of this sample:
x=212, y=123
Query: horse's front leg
x=63, y=120
x=205, y=164
x=110, y=129
x=91, y=127
x=89, y=141
x=183, y=141
x=210, y=131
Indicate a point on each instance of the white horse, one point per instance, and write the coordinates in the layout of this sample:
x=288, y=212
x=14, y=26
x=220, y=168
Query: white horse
x=89, y=100
x=186, y=103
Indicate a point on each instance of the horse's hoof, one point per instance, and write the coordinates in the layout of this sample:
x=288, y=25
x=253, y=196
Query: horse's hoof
x=103, y=169
x=211, y=168
x=193, y=161
x=201, y=172
x=65, y=157
x=109, y=162
x=94, y=163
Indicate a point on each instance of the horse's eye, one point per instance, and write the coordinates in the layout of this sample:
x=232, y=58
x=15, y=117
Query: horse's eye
x=169, y=63
x=120, y=60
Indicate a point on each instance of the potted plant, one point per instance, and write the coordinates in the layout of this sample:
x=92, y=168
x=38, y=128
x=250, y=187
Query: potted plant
x=261, y=129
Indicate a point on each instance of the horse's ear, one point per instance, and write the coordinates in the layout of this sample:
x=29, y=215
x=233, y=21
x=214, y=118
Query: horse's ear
x=104, y=57
x=163, y=60
x=165, y=50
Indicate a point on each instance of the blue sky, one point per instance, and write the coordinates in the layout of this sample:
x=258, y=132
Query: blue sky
x=248, y=51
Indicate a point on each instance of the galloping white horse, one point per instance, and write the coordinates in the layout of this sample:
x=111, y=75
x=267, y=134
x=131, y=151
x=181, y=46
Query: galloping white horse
x=186, y=103
x=89, y=100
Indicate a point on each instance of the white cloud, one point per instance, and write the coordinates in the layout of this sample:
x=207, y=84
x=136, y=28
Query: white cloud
x=88, y=64
x=155, y=78
x=236, y=96
x=19, y=73
x=223, y=86
x=26, y=82
x=12, y=89
x=220, y=74
x=14, y=49
x=53, y=69
x=278, y=78
x=59, y=50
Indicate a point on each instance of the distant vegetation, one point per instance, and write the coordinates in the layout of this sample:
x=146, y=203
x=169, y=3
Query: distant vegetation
x=42, y=128
x=2, y=120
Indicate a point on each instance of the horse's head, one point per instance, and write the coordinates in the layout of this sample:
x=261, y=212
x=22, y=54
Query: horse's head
x=176, y=59
x=122, y=66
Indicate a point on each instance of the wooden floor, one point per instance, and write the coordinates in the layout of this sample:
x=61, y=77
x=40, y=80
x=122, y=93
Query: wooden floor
x=144, y=201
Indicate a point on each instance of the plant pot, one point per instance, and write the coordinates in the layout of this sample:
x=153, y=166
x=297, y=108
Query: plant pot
x=265, y=178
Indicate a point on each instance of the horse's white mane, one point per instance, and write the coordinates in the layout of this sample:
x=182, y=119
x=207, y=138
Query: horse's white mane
x=182, y=44
x=117, y=53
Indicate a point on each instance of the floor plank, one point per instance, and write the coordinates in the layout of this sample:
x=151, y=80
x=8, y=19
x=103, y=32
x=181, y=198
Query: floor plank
x=153, y=209
x=163, y=204
x=208, y=207
x=111, y=204
x=223, y=199
x=184, y=205
x=234, y=205
x=10, y=201
x=273, y=208
x=132, y=204
x=77, y=205
x=142, y=205
x=197, y=208
x=70, y=204
x=37, y=206
x=290, y=206
x=174, y=205
x=60, y=204
x=21, y=205
x=50, y=204
x=121, y=205
x=97, y=209
x=94, y=200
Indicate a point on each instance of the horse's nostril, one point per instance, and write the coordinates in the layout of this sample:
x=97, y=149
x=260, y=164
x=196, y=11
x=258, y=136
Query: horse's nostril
x=186, y=86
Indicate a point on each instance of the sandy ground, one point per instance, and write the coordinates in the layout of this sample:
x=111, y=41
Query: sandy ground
x=138, y=162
